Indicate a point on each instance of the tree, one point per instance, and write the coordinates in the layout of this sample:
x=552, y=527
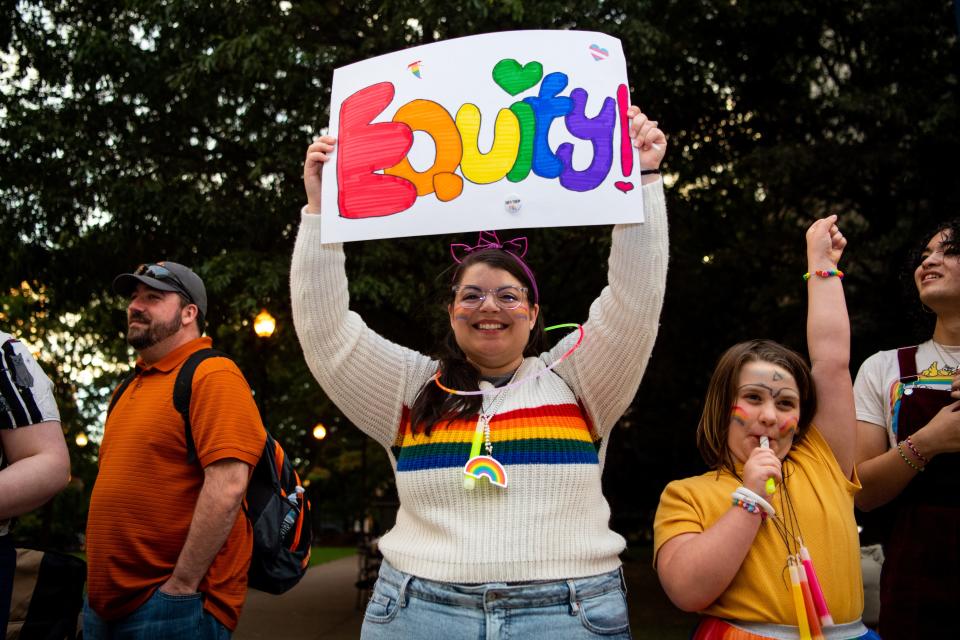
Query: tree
x=137, y=131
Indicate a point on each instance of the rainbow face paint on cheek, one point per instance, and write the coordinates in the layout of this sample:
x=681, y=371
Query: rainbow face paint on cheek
x=738, y=415
x=461, y=317
x=789, y=426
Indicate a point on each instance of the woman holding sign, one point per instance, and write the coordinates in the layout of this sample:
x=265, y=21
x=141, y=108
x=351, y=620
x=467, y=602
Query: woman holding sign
x=497, y=444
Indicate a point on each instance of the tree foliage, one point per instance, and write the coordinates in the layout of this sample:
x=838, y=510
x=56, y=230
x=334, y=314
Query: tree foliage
x=136, y=131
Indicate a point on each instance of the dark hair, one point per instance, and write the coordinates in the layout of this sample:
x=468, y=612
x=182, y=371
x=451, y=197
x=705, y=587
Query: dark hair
x=951, y=247
x=433, y=404
x=714, y=426
x=184, y=301
x=922, y=318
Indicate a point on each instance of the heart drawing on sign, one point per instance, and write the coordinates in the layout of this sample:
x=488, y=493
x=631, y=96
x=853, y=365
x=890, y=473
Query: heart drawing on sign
x=515, y=78
x=598, y=52
x=623, y=186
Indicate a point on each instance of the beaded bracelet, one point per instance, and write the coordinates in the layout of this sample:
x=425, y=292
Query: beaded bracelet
x=750, y=497
x=751, y=507
x=825, y=273
x=906, y=459
x=915, y=451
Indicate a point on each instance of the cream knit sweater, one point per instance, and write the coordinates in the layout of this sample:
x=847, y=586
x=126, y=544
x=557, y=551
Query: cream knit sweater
x=550, y=434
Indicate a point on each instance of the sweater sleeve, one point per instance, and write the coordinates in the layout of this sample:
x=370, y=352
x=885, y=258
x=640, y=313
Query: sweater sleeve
x=605, y=372
x=368, y=377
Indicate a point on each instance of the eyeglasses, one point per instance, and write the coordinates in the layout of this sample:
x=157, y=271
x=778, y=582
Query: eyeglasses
x=161, y=273
x=471, y=297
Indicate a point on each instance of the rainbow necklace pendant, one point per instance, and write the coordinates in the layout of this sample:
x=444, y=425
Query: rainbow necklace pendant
x=479, y=467
x=487, y=467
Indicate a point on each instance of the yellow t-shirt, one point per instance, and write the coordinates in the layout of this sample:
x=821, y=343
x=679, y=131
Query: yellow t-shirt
x=823, y=501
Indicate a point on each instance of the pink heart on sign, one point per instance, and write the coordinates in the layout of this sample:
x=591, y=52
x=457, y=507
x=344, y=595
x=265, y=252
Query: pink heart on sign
x=598, y=52
x=623, y=186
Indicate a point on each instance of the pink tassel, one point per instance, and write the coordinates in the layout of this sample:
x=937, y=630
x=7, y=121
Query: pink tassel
x=818, y=600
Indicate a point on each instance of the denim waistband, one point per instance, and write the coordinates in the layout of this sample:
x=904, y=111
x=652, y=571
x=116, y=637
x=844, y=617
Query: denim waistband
x=501, y=594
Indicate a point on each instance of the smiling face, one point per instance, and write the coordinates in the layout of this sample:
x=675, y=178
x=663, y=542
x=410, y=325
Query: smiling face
x=152, y=317
x=938, y=275
x=493, y=339
x=766, y=403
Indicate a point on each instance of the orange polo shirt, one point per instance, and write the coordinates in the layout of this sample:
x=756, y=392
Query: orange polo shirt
x=143, y=501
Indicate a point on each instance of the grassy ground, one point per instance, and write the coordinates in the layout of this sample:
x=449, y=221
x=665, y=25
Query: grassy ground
x=319, y=555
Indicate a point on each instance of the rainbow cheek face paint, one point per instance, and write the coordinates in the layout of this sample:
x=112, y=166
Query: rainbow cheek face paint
x=738, y=415
x=788, y=427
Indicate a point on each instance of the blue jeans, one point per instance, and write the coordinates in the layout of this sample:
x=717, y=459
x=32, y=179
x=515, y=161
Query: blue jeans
x=162, y=617
x=8, y=566
x=404, y=606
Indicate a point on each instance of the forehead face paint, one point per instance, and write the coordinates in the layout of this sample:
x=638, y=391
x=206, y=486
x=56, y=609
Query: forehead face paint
x=738, y=415
x=769, y=377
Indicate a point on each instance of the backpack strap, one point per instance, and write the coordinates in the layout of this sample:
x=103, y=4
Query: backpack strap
x=183, y=390
x=123, y=387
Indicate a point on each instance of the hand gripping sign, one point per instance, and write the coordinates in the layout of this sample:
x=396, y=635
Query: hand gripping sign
x=502, y=130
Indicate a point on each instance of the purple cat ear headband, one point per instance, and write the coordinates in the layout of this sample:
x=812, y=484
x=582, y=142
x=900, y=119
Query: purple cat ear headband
x=515, y=248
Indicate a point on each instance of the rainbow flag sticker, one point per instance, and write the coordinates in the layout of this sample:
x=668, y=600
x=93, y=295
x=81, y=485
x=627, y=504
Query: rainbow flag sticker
x=480, y=467
x=415, y=68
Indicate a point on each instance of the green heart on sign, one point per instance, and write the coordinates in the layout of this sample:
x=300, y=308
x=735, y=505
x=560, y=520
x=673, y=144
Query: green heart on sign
x=514, y=78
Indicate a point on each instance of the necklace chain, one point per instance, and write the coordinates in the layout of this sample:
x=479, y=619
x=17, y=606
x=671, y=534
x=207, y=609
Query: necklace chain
x=944, y=354
x=486, y=415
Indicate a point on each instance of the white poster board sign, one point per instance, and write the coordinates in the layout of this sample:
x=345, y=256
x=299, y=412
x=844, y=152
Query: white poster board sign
x=502, y=130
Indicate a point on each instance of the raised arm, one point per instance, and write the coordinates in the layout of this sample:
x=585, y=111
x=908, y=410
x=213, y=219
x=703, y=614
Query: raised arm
x=368, y=377
x=624, y=319
x=828, y=339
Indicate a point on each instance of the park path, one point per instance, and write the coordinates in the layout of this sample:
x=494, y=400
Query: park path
x=323, y=606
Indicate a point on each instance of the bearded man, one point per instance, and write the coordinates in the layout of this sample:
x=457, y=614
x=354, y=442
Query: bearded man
x=167, y=547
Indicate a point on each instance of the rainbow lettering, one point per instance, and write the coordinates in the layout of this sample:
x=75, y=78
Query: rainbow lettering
x=376, y=179
x=486, y=467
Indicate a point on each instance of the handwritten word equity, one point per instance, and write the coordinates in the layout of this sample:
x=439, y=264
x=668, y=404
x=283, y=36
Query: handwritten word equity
x=375, y=178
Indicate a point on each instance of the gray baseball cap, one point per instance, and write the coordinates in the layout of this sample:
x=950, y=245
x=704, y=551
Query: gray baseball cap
x=165, y=276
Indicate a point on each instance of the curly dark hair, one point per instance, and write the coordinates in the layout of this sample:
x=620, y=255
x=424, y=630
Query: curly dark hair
x=922, y=318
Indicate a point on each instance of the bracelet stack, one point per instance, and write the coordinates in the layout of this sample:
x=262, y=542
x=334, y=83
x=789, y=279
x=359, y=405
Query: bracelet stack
x=915, y=452
x=750, y=501
x=751, y=507
x=825, y=273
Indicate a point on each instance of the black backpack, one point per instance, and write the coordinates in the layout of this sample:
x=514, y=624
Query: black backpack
x=275, y=504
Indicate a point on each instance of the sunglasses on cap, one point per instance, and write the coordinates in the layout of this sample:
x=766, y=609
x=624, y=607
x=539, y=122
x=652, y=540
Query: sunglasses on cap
x=161, y=273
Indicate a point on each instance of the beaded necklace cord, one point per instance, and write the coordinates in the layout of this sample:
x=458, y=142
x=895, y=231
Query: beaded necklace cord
x=486, y=466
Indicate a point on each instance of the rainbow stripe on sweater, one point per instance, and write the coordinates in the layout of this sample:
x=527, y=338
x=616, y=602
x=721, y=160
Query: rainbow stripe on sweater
x=553, y=434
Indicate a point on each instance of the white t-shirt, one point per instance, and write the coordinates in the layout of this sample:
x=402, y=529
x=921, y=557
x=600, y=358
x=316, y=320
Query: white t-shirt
x=878, y=388
x=26, y=393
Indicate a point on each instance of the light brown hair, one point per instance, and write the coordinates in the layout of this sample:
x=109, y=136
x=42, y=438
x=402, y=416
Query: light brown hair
x=714, y=427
